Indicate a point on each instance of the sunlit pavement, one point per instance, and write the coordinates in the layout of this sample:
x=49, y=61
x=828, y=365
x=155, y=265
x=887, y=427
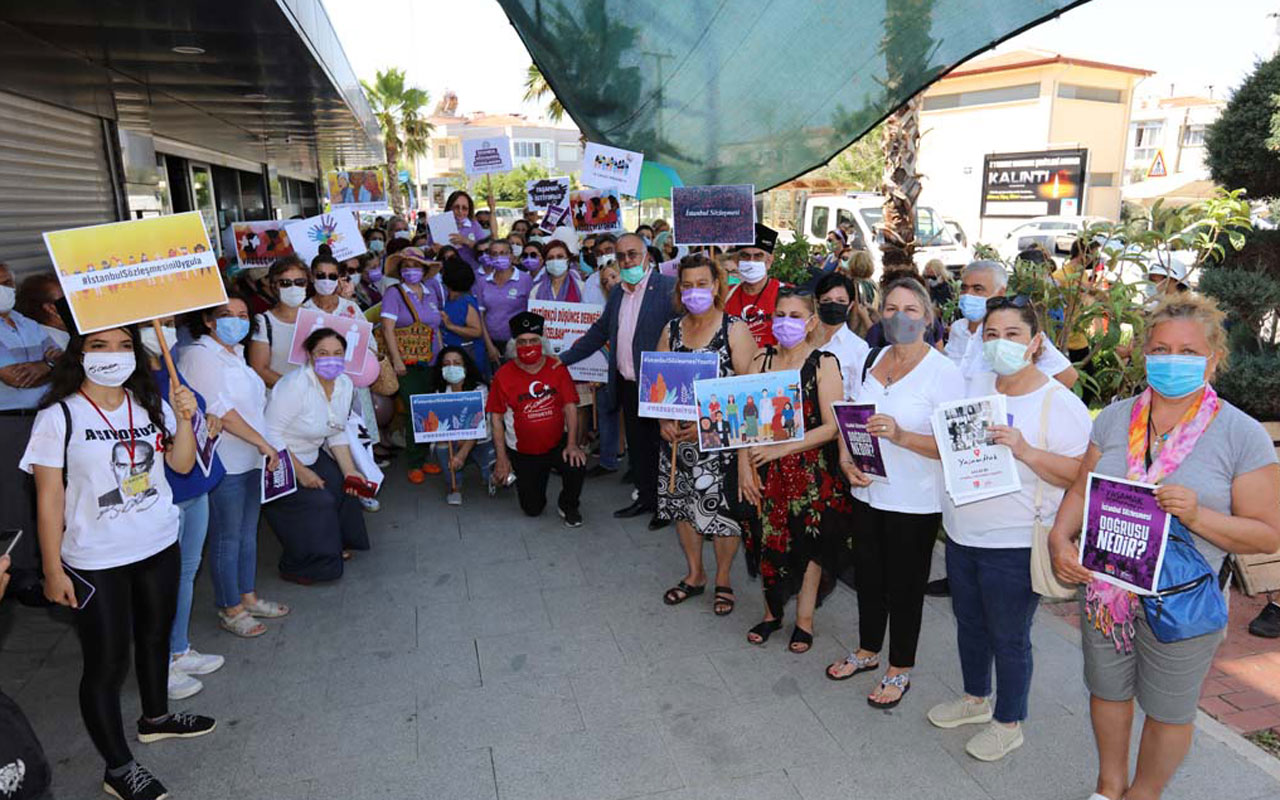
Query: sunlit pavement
x=474, y=653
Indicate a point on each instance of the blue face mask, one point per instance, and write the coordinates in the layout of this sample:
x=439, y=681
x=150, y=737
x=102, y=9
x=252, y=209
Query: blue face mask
x=231, y=330
x=973, y=307
x=1174, y=377
x=633, y=275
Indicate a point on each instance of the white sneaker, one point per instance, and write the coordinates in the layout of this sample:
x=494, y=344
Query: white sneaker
x=371, y=504
x=194, y=663
x=182, y=685
x=954, y=713
x=454, y=498
x=994, y=742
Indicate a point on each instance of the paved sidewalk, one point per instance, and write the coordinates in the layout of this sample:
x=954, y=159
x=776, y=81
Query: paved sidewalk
x=475, y=654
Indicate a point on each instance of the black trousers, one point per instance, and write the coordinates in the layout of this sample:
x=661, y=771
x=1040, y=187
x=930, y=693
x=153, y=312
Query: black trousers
x=315, y=525
x=136, y=601
x=18, y=499
x=892, y=552
x=642, y=443
x=532, y=473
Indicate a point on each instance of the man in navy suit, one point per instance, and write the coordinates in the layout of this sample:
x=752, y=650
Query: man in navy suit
x=637, y=311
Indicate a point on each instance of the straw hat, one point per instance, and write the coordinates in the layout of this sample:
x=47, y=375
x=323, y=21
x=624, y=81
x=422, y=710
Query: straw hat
x=414, y=254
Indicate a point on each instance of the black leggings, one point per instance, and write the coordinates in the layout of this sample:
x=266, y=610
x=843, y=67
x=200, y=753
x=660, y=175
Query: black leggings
x=892, y=552
x=135, y=601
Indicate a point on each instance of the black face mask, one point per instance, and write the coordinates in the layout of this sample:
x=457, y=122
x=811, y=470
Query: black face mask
x=833, y=313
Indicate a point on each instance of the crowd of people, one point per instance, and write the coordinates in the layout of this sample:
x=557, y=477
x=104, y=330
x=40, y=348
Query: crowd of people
x=98, y=438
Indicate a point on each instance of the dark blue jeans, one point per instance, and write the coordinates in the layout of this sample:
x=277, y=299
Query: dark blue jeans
x=994, y=606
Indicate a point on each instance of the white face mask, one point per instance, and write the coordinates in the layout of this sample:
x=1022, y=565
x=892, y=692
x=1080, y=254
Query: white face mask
x=109, y=369
x=7, y=296
x=752, y=271
x=605, y=259
x=326, y=286
x=401, y=234
x=152, y=344
x=293, y=295
x=557, y=267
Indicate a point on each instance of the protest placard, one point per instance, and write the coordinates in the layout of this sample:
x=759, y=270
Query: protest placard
x=278, y=482
x=972, y=467
x=748, y=410
x=356, y=333
x=595, y=211
x=259, y=243
x=205, y=444
x=357, y=189
x=120, y=273
x=1124, y=534
x=605, y=167
x=563, y=324
x=340, y=231
x=554, y=218
x=864, y=449
x=487, y=155
x=713, y=215
x=545, y=192
x=442, y=226
x=448, y=417
x=666, y=383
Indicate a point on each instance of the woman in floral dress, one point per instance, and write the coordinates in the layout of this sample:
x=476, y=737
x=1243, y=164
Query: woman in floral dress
x=804, y=536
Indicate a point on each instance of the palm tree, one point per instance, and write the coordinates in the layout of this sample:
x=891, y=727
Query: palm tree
x=536, y=88
x=405, y=129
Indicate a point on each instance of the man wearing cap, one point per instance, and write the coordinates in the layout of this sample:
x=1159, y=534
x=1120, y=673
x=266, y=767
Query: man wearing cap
x=637, y=311
x=755, y=298
x=534, y=401
x=1170, y=278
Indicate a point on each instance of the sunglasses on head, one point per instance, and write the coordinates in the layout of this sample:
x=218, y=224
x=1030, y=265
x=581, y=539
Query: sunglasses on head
x=1017, y=301
x=291, y=282
x=791, y=291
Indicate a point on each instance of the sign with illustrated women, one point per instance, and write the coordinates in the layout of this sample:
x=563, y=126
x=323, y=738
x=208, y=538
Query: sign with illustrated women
x=749, y=410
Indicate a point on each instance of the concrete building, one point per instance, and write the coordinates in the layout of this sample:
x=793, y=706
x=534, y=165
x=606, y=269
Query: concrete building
x=992, y=129
x=1172, y=127
x=112, y=110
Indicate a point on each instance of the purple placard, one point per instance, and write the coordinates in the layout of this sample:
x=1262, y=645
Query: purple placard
x=1124, y=534
x=278, y=482
x=554, y=217
x=719, y=215
x=205, y=444
x=864, y=449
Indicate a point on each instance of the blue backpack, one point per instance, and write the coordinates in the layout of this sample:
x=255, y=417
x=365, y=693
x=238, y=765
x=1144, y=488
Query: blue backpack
x=1189, y=601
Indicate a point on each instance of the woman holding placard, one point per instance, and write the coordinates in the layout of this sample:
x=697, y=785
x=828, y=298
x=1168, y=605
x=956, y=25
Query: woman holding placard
x=705, y=483
x=989, y=542
x=1217, y=475
x=469, y=232
x=454, y=371
x=802, y=540
x=320, y=522
x=109, y=535
x=896, y=521
x=273, y=330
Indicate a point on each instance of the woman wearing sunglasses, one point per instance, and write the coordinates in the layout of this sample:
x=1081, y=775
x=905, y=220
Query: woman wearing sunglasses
x=273, y=331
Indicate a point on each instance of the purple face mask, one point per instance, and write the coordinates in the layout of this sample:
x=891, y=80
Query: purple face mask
x=373, y=275
x=500, y=262
x=789, y=331
x=330, y=367
x=530, y=263
x=411, y=275
x=697, y=299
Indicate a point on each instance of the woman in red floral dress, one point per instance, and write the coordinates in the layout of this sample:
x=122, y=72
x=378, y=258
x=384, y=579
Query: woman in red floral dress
x=804, y=536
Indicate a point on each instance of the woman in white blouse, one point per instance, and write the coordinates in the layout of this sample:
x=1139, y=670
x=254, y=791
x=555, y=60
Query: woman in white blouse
x=215, y=367
x=273, y=329
x=308, y=413
x=896, y=522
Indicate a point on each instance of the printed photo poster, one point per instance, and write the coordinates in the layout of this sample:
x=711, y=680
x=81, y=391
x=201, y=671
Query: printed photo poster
x=749, y=410
x=206, y=445
x=281, y=481
x=542, y=193
x=713, y=215
x=448, y=417
x=605, y=167
x=1124, y=535
x=564, y=323
x=339, y=230
x=974, y=468
x=120, y=273
x=357, y=189
x=486, y=156
x=596, y=211
x=356, y=332
x=259, y=243
x=666, y=383
x=864, y=449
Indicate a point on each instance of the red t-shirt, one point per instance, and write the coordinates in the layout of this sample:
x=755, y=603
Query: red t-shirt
x=756, y=309
x=536, y=402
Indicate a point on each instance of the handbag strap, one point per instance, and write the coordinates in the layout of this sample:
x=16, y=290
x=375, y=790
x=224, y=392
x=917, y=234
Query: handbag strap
x=412, y=311
x=1043, y=442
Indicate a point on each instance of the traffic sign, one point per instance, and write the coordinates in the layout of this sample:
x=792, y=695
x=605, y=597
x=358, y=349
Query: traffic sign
x=1158, y=168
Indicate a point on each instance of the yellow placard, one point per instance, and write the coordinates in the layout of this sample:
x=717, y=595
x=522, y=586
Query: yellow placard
x=121, y=273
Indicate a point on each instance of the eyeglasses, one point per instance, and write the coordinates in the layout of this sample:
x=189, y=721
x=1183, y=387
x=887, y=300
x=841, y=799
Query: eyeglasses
x=282, y=282
x=1017, y=301
x=327, y=276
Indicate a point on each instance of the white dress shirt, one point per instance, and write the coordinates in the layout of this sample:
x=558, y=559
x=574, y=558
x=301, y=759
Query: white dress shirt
x=228, y=383
x=303, y=419
x=851, y=351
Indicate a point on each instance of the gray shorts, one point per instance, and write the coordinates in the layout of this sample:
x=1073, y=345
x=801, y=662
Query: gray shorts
x=1165, y=677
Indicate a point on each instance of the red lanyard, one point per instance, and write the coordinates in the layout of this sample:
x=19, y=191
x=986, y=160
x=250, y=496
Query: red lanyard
x=128, y=400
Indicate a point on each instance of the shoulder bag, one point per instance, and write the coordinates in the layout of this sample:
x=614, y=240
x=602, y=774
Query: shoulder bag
x=1043, y=581
x=415, y=341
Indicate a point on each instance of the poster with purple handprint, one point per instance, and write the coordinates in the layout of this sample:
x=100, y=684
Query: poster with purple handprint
x=1124, y=534
x=714, y=215
x=340, y=231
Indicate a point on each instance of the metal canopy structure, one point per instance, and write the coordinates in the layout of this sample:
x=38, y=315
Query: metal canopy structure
x=752, y=91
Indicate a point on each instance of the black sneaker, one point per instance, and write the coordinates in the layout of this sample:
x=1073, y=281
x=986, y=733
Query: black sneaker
x=572, y=517
x=136, y=784
x=181, y=725
x=1267, y=623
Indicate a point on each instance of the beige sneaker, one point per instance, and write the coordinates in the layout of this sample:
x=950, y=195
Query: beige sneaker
x=960, y=711
x=994, y=742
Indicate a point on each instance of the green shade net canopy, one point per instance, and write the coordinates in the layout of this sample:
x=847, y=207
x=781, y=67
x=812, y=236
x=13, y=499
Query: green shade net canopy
x=751, y=91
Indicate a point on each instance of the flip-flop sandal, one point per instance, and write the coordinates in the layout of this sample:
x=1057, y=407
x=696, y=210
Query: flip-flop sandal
x=860, y=666
x=242, y=625
x=724, y=602
x=267, y=609
x=680, y=592
x=901, y=681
